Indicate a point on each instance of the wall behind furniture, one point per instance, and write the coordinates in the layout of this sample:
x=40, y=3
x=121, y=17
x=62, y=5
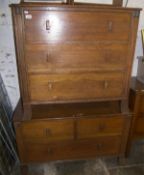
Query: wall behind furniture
x=8, y=67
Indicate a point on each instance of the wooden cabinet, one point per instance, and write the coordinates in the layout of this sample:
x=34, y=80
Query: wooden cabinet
x=136, y=103
x=74, y=64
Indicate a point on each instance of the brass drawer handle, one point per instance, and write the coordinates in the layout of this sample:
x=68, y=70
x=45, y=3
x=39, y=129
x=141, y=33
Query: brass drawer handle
x=50, y=85
x=48, y=27
x=50, y=151
x=47, y=132
x=110, y=26
x=106, y=84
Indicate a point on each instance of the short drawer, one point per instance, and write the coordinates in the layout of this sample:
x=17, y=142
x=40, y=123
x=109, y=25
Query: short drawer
x=73, y=150
x=94, y=127
x=51, y=130
x=78, y=86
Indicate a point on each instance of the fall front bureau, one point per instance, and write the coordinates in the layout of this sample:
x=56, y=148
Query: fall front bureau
x=74, y=64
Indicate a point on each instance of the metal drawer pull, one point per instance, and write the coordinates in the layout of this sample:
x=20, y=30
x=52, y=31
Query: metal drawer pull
x=48, y=57
x=50, y=85
x=50, y=151
x=48, y=25
x=48, y=132
x=110, y=26
x=105, y=84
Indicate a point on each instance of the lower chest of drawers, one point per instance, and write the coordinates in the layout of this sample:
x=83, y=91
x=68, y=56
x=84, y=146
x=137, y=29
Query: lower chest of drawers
x=70, y=138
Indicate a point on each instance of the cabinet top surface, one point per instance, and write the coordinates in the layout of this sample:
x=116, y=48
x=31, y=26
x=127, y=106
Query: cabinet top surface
x=75, y=6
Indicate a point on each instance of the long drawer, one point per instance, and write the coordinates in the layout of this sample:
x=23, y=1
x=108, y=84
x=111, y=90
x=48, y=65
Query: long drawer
x=48, y=130
x=52, y=87
x=104, y=126
x=76, y=57
x=73, y=150
x=66, y=25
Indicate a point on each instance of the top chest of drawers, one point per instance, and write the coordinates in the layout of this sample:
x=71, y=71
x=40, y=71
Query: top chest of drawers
x=73, y=52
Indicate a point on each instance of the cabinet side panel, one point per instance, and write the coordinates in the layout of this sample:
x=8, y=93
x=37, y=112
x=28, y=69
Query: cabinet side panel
x=132, y=43
x=22, y=70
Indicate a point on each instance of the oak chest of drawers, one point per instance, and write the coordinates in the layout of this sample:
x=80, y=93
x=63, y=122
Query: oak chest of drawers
x=74, y=64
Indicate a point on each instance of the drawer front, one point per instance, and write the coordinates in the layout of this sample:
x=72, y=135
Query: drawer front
x=59, y=87
x=47, y=131
x=139, y=125
x=60, y=151
x=76, y=57
x=94, y=127
x=64, y=25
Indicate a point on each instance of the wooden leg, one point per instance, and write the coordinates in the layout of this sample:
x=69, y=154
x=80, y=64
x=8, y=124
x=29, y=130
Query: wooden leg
x=24, y=170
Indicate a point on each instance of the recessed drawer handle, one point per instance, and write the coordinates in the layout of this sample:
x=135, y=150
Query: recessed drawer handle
x=48, y=25
x=47, y=132
x=110, y=26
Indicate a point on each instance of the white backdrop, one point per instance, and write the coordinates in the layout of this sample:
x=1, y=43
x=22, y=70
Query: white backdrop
x=7, y=52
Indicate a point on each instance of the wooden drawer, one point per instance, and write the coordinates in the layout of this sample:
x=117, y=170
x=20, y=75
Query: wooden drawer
x=139, y=126
x=51, y=130
x=94, y=127
x=66, y=25
x=45, y=87
x=76, y=57
x=72, y=150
